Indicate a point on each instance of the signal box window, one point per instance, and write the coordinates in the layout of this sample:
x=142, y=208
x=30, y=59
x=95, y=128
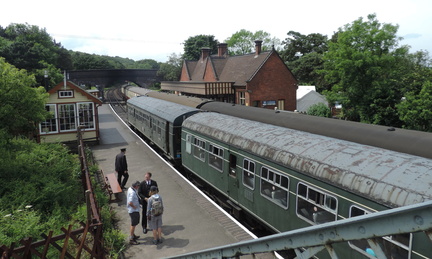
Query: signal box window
x=396, y=246
x=86, y=115
x=216, y=157
x=65, y=94
x=67, y=117
x=315, y=206
x=50, y=125
x=275, y=186
x=249, y=173
x=199, y=149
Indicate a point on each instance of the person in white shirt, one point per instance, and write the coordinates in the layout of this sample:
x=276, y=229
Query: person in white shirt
x=133, y=207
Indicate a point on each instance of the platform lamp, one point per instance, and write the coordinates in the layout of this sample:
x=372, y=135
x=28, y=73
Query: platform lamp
x=46, y=79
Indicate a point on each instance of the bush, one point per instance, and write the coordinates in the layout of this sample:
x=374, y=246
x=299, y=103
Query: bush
x=319, y=109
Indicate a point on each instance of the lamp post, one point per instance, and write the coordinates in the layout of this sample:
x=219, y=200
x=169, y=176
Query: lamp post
x=46, y=79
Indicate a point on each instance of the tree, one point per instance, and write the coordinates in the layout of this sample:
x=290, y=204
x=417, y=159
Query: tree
x=170, y=71
x=243, y=42
x=416, y=109
x=193, y=45
x=304, y=56
x=23, y=107
x=365, y=68
x=147, y=64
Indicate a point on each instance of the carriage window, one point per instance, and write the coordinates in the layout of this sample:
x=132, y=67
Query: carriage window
x=396, y=246
x=249, y=173
x=274, y=186
x=188, y=144
x=215, y=157
x=315, y=206
x=199, y=149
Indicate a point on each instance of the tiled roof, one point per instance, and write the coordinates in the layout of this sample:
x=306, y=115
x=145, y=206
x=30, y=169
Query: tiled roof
x=238, y=69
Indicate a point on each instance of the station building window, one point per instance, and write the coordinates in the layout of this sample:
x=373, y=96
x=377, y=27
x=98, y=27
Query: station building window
x=216, y=157
x=242, y=98
x=395, y=246
x=50, y=125
x=249, y=173
x=275, y=186
x=199, y=148
x=86, y=115
x=315, y=206
x=67, y=117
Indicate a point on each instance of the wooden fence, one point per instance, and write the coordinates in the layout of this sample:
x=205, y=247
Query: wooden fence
x=86, y=241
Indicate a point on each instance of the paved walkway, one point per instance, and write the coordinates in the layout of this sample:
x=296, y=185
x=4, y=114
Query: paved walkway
x=190, y=221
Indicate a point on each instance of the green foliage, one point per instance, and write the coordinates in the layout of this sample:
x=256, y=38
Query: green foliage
x=170, y=71
x=39, y=188
x=416, y=110
x=41, y=175
x=304, y=56
x=319, y=109
x=243, y=42
x=194, y=44
x=365, y=68
x=23, y=107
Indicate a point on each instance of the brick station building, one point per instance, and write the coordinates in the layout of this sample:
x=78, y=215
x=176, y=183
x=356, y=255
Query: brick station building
x=259, y=79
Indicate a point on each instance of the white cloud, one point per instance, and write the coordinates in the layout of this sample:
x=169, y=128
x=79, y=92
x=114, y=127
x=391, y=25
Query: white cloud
x=154, y=29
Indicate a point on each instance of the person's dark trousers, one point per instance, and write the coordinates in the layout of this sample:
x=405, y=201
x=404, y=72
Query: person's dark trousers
x=144, y=216
x=125, y=179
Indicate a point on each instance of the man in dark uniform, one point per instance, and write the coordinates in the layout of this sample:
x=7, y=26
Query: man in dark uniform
x=121, y=168
x=143, y=192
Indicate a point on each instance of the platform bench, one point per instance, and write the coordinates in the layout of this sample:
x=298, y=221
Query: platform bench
x=112, y=186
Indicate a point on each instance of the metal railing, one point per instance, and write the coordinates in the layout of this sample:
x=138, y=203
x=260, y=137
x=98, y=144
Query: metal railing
x=307, y=242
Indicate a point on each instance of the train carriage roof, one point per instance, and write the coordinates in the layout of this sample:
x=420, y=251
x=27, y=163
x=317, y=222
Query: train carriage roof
x=401, y=140
x=168, y=111
x=180, y=99
x=389, y=177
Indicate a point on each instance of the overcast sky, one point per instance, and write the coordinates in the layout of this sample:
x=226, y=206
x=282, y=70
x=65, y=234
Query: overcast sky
x=143, y=29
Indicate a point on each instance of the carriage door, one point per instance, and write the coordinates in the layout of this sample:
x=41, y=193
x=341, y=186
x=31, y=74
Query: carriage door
x=233, y=183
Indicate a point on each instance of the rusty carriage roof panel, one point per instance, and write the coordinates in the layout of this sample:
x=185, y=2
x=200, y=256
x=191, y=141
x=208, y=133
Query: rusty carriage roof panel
x=168, y=111
x=391, y=178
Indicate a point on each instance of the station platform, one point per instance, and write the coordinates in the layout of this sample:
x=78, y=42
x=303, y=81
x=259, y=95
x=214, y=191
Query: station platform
x=191, y=222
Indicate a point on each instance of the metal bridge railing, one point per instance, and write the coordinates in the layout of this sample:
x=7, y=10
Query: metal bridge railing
x=308, y=241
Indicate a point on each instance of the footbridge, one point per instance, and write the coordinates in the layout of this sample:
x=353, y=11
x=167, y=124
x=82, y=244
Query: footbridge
x=108, y=77
x=372, y=235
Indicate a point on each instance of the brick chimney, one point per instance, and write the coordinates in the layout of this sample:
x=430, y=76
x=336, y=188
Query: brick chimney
x=205, y=52
x=258, y=47
x=222, y=50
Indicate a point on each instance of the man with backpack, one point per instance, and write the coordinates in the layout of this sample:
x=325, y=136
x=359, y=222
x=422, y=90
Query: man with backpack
x=154, y=213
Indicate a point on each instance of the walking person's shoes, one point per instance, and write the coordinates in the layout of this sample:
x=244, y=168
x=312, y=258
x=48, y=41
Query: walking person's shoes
x=136, y=237
x=159, y=241
x=133, y=242
x=144, y=230
x=155, y=242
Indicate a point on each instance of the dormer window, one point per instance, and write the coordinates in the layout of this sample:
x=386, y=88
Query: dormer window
x=65, y=94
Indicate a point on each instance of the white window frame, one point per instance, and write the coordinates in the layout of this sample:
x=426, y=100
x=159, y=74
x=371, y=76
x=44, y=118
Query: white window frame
x=216, y=154
x=93, y=116
x=274, y=179
x=65, y=94
x=49, y=121
x=321, y=206
x=64, y=118
x=248, y=175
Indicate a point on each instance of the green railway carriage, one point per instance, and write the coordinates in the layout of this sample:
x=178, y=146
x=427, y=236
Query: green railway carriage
x=160, y=122
x=288, y=179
